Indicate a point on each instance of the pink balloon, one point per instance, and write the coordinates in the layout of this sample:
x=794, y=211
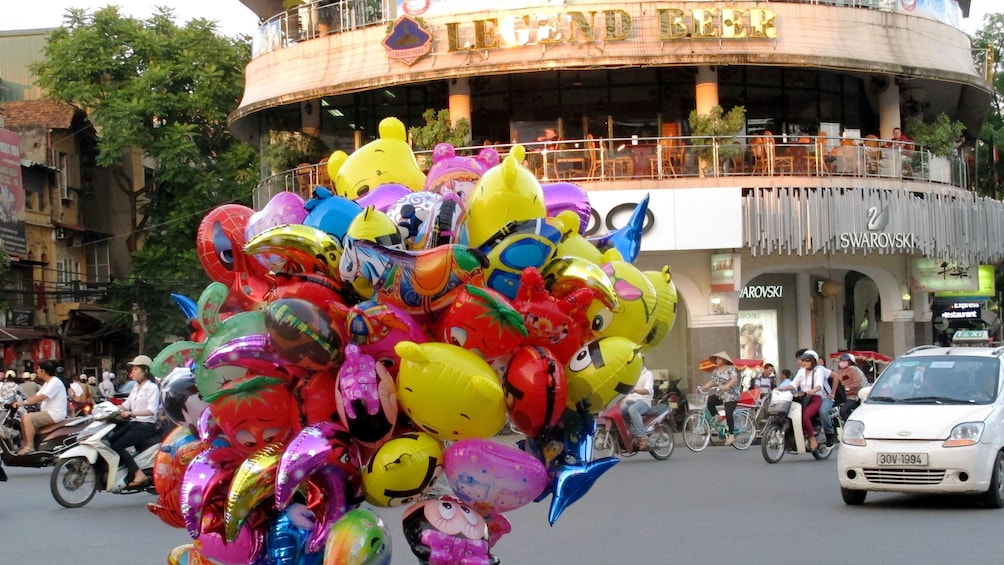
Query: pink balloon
x=244, y=549
x=561, y=196
x=383, y=196
x=492, y=477
x=366, y=397
x=377, y=327
x=284, y=208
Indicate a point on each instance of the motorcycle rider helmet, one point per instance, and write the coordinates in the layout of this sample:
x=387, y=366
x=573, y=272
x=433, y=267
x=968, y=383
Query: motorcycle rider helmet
x=810, y=355
x=847, y=357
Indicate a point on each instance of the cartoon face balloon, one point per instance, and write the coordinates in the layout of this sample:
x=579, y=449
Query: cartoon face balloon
x=402, y=469
x=600, y=371
x=635, y=313
x=385, y=160
x=482, y=320
x=504, y=194
x=560, y=325
x=445, y=530
x=359, y=537
x=220, y=242
x=254, y=412
x=366, y=398
x=665, y=308
x=305, y=334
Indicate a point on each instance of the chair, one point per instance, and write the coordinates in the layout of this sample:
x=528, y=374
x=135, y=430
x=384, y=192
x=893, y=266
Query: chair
x=759, y=152
x=873, y=155
x=670, y=154
x=777, y=163
x=599, y=167
x=819, y=162
x=322, y=175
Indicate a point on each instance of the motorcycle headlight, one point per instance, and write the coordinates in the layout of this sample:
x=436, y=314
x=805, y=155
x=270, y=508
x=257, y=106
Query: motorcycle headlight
x=968, y=433
x=853, y=434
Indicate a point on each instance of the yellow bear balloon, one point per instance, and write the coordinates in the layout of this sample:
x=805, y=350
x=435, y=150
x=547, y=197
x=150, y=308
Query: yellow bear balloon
x=448, y=391
x=402, y=469
x=635, y=313
x=665, y=307
x=572, y=243
x=602, y=370
x=505, y=193
x=381, y=161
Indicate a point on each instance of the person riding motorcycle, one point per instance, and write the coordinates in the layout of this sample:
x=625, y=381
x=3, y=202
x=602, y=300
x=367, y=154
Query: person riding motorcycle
x=51, y=397
x=636, y=403
x=809, y=386
x=141, y=409
x=853, y=378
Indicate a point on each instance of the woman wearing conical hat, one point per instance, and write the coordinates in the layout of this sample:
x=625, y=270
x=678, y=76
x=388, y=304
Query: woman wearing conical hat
x=726, y=378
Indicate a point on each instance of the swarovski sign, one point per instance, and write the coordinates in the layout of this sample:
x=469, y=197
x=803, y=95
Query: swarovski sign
x=875, y=238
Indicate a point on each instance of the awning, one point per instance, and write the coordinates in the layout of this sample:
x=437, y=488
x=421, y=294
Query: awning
x=23, y=334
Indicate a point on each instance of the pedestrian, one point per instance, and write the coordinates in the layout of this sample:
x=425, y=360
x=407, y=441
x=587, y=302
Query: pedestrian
x=28, y=385
x=726, y=378
x=52, y=399
x=107, y=386
x=765, y=380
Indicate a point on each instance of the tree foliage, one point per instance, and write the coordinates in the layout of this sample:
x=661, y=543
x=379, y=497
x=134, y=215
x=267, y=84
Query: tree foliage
x=717, y=126
x=439, y=129
x=989, y=166
x=939, y=136
x=167, y=90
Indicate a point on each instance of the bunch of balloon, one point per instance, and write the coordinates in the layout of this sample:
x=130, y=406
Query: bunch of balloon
x=373, y=340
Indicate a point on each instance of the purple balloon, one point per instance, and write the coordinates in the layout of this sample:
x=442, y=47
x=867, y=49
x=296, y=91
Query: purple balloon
x=561, y=196
x=383, y=196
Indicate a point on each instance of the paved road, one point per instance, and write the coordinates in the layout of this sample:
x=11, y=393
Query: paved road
x=719, y=506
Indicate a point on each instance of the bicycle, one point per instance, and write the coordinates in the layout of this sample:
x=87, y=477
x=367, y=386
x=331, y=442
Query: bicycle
x=700, y=425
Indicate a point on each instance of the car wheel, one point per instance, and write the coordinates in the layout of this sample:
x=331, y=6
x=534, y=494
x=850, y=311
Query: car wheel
x=994, y=497
x=853, y=497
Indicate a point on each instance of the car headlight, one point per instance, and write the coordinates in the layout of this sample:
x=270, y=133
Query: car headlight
x=968, y=433
x=853, y=434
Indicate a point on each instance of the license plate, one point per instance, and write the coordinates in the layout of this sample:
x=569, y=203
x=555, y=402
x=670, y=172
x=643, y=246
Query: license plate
x=674, y=405
x=903, y=459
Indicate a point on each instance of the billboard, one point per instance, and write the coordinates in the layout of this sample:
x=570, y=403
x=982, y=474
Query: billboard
x=11, y=195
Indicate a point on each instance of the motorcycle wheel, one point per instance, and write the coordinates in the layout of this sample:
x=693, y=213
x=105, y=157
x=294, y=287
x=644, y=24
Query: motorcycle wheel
x=772, y=443
x=661, y=441
x=603, y=443
x=696, y=432
x=823, y=453
x=745, y=430
x=73, y=482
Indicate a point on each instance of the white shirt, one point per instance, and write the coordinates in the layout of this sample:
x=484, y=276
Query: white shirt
x=55, y=399
x=144, y=397
x=817, y=378
x=646, y=381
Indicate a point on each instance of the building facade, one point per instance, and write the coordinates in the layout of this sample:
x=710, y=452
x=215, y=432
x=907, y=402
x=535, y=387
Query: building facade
x=813, y=225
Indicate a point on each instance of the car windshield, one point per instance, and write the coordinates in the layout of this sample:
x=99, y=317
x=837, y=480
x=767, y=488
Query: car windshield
x=938, y=380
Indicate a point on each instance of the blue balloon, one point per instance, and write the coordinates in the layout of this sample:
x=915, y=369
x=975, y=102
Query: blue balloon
x=188, y=306
x=330, y=213
x=287, y=538
x=573, y=482
x=627, y=239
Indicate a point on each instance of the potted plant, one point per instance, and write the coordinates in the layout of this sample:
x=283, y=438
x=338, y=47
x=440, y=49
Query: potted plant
x=938, y=137
x=716, y=129
x=287, y=149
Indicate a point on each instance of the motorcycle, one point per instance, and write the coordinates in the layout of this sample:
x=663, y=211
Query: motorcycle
x=783, y=430
x=677, y=403
x=614, y=437
x=92, y=465
x=50, y=440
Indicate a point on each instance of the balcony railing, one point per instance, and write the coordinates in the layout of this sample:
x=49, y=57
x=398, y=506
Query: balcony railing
x=659, y=158
x=317, y=19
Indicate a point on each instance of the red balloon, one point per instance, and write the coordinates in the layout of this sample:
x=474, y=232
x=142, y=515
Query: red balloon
x=220, y=243
x=254, y=412
x=482, y=320
x=560, y=325
x=535, y=390
x=315, y=394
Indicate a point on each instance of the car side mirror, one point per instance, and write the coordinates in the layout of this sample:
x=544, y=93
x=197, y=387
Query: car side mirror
x=863, y=393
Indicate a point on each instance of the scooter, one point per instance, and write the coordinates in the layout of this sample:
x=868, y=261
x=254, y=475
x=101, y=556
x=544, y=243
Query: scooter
x=783, y=431
x=92, y=465
x=613, y=436
x=677, y=403
x=50, y=440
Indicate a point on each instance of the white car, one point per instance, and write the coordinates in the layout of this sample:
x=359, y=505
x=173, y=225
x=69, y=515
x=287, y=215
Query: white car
x=933, y=422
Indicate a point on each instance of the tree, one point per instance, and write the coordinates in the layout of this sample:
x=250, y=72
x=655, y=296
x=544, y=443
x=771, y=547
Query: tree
x=167, y=90
x=439, y=129
x=717, y=127
x=939, y=136
x=990, y=39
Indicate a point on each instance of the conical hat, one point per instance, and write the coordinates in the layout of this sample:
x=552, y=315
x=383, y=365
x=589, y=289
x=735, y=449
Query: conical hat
x=723, y=355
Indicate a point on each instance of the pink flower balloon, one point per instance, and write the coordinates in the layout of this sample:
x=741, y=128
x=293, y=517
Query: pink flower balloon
x=492, y=477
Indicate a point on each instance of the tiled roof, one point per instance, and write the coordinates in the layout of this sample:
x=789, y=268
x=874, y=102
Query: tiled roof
x=53, y=114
